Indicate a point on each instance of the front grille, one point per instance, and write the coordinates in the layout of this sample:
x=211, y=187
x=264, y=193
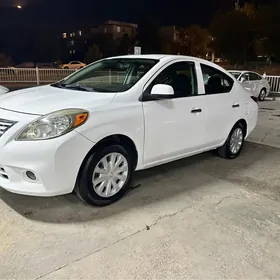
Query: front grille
x=5, y=125
x=3, y=173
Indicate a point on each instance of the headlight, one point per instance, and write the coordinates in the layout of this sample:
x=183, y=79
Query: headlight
x=53, y=125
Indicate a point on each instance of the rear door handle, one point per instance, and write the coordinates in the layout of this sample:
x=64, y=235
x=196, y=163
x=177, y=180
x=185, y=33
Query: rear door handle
x=235, y=105
x=193, y=111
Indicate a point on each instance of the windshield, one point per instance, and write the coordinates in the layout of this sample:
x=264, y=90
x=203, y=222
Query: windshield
x=235, y=74
x=109, y=75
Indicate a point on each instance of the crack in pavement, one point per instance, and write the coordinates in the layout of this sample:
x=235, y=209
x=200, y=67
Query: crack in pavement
x=118, y=241
x=146, y=228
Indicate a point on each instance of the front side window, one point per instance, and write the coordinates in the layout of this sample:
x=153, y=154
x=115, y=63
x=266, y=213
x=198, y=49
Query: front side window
x=109, y=75
x=245, y=77
x=215, y=81
x=181, y=76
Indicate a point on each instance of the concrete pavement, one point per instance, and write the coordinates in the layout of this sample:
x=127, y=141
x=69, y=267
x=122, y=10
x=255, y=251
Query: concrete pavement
x=202, y=217
x=268, y=128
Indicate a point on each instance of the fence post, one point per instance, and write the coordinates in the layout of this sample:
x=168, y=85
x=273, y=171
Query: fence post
x=37, y=76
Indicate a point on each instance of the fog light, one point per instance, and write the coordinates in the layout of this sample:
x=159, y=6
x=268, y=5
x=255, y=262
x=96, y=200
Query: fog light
x=31, y=175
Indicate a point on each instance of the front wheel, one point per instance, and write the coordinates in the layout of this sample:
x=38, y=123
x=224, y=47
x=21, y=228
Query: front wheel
x=105, y=177
x=262, y=94
x=234, y=143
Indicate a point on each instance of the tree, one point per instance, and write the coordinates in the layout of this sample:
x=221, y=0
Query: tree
x=267, y=17
x=233, y=34
x=194, y=41
x=93, y=54
x=5, y=60
x=249, y=9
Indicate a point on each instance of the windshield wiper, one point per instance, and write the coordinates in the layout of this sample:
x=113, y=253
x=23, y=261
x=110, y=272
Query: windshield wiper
x=57, y=84
x=76, y=87
x=99, y=89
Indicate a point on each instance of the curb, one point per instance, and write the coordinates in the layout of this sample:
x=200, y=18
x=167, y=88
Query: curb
x=273, y=98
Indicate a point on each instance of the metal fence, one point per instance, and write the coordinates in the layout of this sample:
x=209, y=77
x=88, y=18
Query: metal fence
x=32, y=75
x=40, y=76
x=274, y=82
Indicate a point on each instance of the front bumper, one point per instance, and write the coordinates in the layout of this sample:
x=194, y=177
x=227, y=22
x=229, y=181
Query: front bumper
x=55, y=162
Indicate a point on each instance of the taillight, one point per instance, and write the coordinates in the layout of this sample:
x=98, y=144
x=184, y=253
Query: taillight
x=254, y=98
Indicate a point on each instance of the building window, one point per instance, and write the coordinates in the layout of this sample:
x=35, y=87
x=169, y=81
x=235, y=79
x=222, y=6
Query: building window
x=70, y=34
x=74, y=34
x=105, y=30
x=72, y=43
x=64, y=35
x=118, y=29
x=80, y=33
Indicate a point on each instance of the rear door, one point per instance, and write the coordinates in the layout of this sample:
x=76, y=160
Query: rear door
x=245, y=81
x=222, y=105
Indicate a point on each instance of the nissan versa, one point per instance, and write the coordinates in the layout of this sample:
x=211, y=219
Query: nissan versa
x=89, y=132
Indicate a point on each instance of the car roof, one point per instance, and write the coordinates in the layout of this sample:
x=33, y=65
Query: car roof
x=239, y=71
x=243, y=71
x=160, y=57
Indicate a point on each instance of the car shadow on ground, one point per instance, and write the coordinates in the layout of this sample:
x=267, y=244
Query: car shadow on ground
x=149, y=186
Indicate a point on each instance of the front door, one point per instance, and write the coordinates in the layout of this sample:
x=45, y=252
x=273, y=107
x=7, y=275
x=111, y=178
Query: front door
x=174, y=127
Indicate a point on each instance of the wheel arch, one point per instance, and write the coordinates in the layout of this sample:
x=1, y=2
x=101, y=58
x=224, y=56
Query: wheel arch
x=244, y=124
x=114, y=139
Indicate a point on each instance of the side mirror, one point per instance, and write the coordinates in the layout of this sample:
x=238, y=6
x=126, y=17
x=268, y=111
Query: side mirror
x=162, y=91
x=242, y=79
x=3, y=90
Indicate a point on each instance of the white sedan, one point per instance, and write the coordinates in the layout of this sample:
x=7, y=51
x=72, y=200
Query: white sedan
x=253, y=82
x=89, y=132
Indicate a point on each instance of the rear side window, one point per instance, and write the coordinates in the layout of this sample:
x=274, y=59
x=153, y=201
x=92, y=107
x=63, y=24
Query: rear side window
x=215, y=81
x=254, y=77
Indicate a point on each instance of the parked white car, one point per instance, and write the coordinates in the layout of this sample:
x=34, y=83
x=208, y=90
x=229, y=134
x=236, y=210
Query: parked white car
x=73, y=65
x=258, y=85
x=3, y=90
x=88, y=135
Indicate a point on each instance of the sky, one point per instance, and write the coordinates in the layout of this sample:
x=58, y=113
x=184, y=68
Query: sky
x=65, y=14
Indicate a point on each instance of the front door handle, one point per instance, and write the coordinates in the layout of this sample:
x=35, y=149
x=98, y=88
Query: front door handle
x=235, y=105
x=193, y=111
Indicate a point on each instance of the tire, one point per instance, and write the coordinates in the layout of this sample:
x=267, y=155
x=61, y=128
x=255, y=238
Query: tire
x=87, y=190
x=262, y=94
x=66, y=67
x=225, y=151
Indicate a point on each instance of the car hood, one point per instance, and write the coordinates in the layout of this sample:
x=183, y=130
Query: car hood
x=3, y=90
x=46, y=99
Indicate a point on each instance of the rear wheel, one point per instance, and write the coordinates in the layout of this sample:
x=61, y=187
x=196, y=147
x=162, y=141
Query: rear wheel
x=105, y=176
x=234, y=143
x=262, y=94
x=66, y=67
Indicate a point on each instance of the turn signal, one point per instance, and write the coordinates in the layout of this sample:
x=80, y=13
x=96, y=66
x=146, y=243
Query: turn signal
x=80, y=119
